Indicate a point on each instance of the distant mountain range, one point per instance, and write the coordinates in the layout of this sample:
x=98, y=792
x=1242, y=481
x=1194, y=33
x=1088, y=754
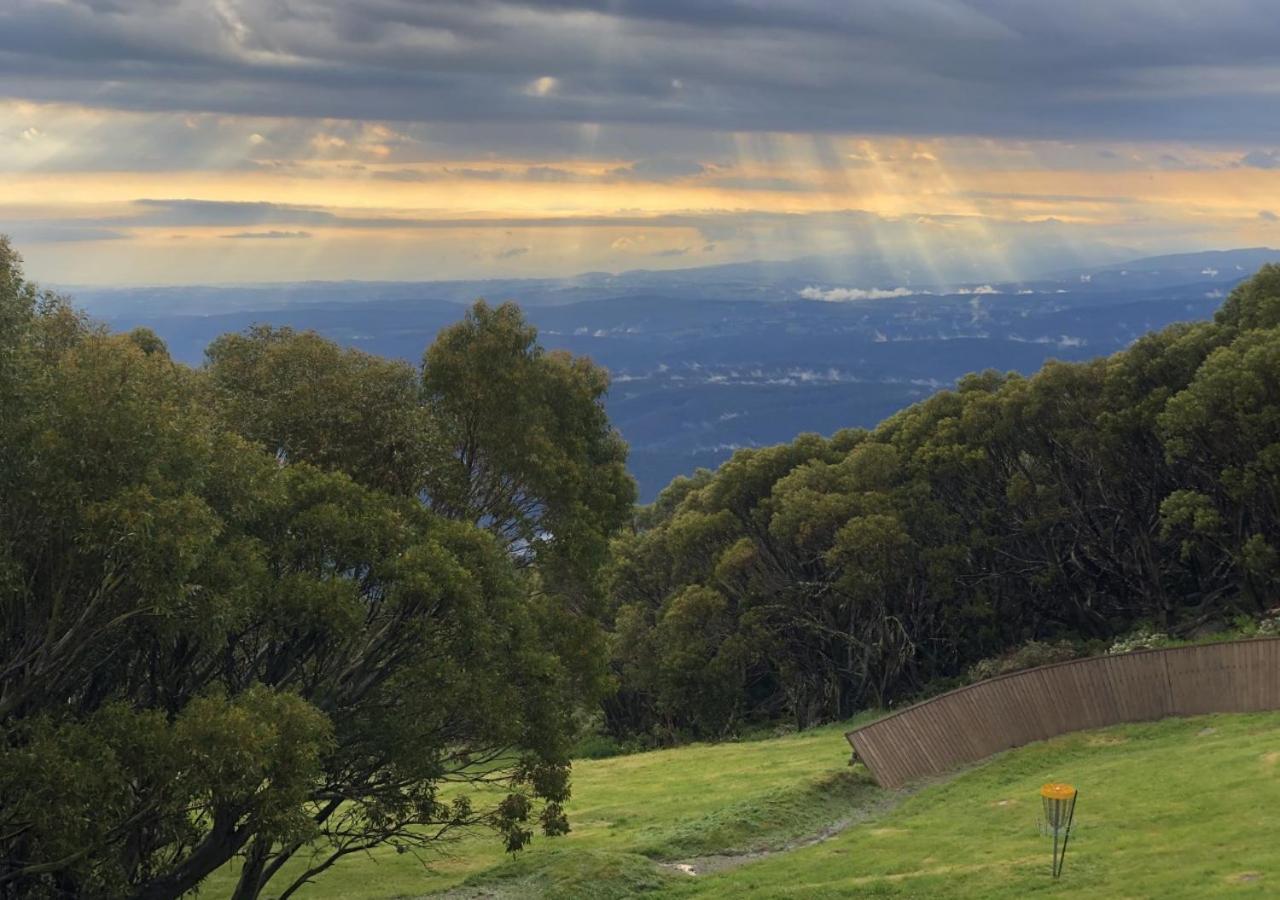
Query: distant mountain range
x=708, y=360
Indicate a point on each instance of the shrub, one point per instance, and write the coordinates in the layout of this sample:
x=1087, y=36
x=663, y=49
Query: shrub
x=1141, y=639
x=1025, y=656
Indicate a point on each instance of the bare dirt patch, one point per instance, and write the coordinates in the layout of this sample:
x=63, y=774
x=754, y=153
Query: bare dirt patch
x=718, y=862
x=1105, y=740
x=1244, y=877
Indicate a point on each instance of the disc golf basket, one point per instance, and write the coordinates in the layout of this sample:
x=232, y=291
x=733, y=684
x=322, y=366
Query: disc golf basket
x=1059, y=802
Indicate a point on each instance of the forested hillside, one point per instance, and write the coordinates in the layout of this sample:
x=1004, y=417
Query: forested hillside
x=815, y=578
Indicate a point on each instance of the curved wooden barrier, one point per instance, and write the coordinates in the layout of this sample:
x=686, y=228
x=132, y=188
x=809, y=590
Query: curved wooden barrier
x=973, y=722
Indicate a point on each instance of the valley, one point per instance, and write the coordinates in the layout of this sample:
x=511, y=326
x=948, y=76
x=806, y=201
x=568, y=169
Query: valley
x=704, y=363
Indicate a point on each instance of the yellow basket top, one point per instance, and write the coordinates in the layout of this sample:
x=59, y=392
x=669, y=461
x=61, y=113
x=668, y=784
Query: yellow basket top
x=1057, y=791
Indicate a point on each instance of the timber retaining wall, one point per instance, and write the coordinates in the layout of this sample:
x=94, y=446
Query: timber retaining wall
x=971, y=723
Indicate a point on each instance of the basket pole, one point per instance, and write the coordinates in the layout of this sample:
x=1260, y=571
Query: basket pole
x=1071, y=814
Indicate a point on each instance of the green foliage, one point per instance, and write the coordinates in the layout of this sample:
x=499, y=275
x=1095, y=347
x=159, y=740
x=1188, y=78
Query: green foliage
x=233, y=626
x=1024, y=656
x=1139, y=639
x=594, y=745
x=531, y=454
x=998, y=525
x=701, y=667
x=305, y=399
x=1254, y=303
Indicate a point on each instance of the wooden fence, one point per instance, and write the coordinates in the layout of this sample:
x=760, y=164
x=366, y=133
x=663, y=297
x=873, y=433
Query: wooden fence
x=973, y=722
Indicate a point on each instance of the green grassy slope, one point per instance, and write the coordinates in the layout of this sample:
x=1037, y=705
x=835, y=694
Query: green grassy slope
x=1182, y=808
x=666, y=803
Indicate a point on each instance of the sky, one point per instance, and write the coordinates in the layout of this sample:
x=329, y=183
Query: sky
x=198, y=141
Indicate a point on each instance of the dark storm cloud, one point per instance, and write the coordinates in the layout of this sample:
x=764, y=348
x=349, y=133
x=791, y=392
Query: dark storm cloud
x=1090, y=68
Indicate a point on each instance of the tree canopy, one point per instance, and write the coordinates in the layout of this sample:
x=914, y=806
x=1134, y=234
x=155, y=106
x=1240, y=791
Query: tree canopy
x=239, y=621
x=816, y=578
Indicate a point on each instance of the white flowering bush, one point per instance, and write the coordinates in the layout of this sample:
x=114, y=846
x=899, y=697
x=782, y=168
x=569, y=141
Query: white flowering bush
x=1142, y=639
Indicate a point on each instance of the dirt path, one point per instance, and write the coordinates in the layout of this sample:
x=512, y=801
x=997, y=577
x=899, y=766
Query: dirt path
x=720, y=862
x=711, y=864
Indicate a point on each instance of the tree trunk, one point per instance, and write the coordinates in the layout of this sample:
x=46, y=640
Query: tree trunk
x=250, y=884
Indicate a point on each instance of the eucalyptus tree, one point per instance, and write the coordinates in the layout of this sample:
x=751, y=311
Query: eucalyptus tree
x=1067, y=506
x=231, y=627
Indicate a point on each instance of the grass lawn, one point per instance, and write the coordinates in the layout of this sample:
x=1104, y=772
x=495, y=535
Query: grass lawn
x=665, y=803
x=1180, y=808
